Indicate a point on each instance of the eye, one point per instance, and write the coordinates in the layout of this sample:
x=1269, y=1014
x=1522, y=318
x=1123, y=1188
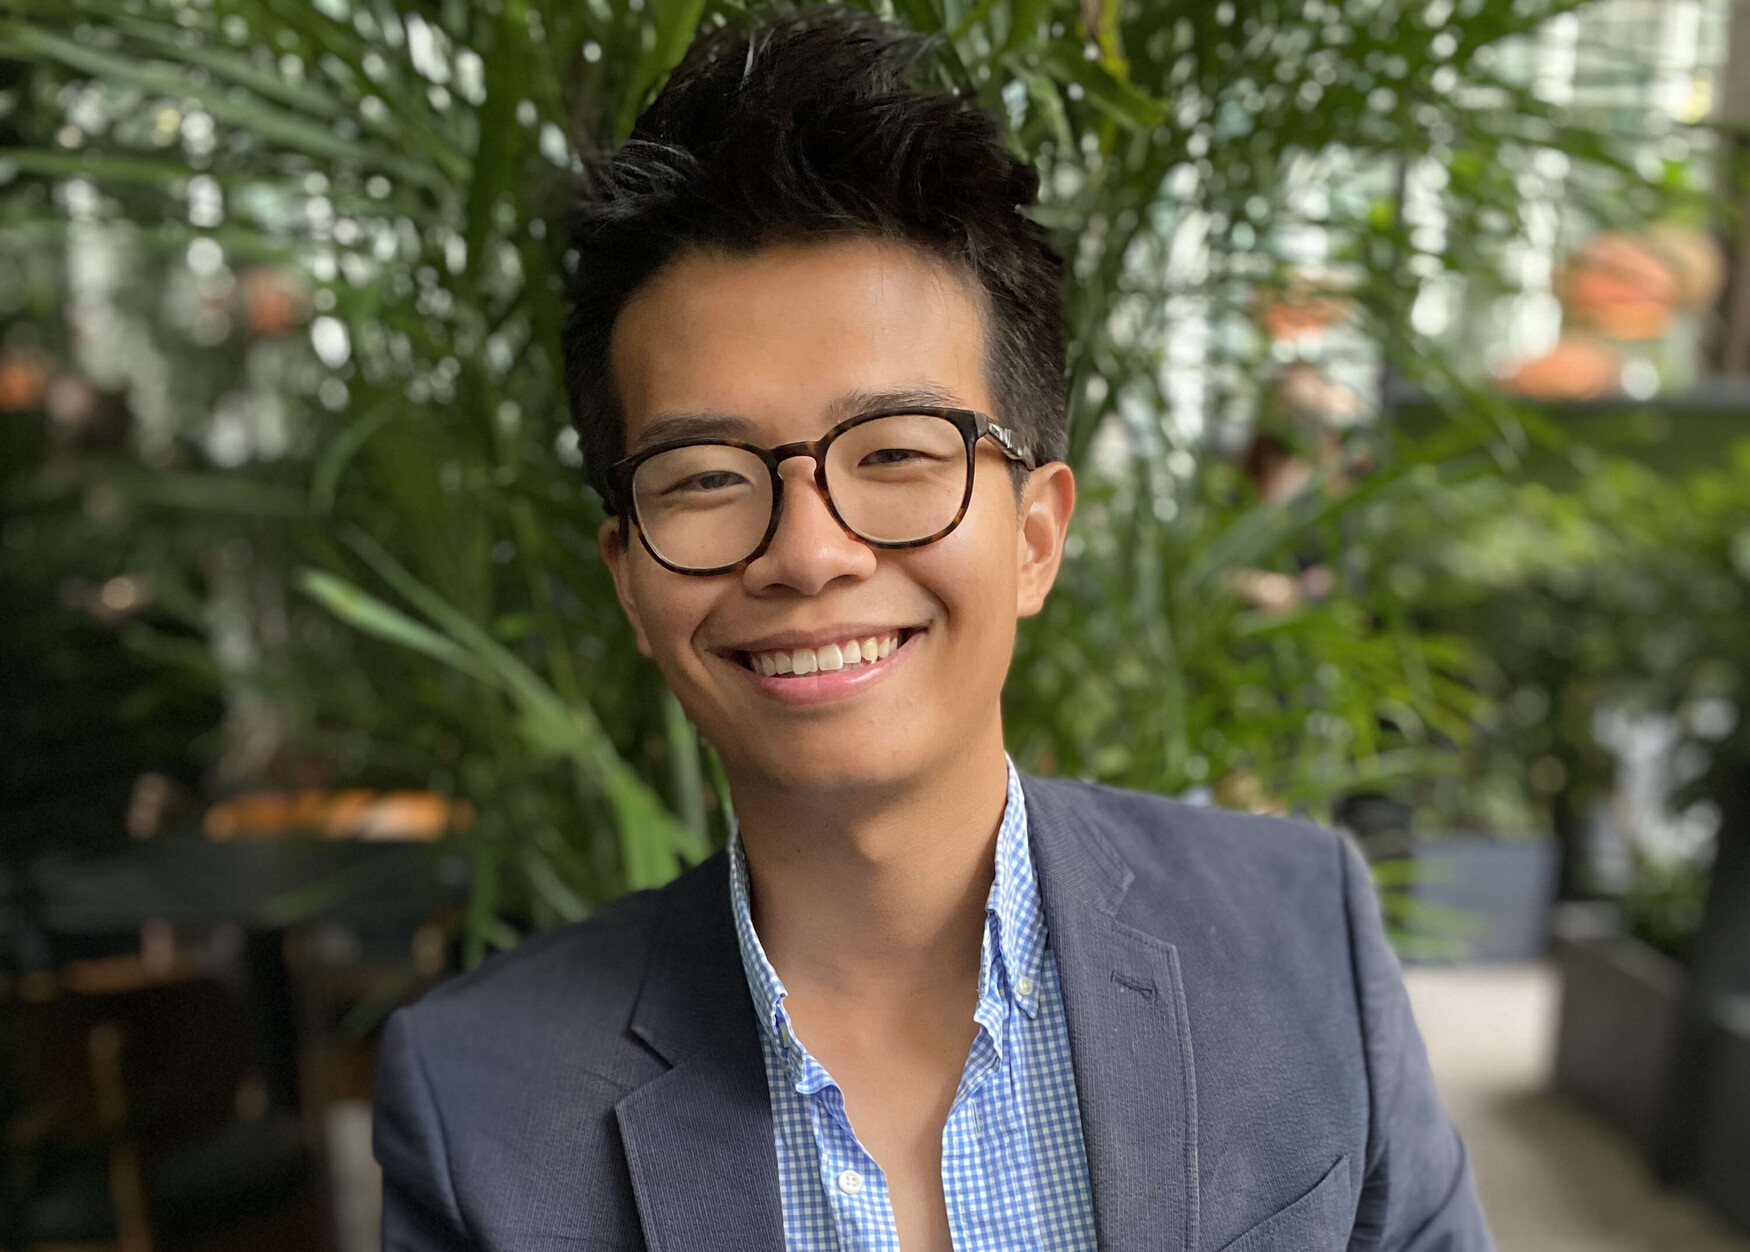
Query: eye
x=710, y=480
x=893, y=456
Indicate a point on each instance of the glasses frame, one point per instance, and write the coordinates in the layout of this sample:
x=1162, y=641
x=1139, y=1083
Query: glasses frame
x=972, y=425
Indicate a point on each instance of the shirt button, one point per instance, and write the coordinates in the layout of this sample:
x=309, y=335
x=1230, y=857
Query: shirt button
x=851, y=1182
x=1024, y=985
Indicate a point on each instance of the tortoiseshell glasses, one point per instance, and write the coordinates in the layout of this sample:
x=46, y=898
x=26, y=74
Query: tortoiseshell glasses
x=894, y=478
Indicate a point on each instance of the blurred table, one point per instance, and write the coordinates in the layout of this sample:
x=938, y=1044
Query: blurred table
x=188, y=881
x=334, y=909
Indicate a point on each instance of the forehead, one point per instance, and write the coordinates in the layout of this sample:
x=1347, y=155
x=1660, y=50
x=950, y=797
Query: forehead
x=780, y=337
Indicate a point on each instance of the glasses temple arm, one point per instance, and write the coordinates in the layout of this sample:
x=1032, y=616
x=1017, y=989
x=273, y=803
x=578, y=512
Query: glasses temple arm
x=1012, y=446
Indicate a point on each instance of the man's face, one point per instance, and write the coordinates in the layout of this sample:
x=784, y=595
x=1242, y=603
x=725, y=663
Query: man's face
x=791, y=340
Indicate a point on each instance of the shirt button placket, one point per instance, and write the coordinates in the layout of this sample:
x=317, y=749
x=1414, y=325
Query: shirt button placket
x=859, y=1227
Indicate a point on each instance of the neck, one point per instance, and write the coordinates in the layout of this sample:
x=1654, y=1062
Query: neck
x=884, y=889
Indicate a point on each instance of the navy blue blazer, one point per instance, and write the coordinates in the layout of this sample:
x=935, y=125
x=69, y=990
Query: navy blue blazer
x=1249, y=1075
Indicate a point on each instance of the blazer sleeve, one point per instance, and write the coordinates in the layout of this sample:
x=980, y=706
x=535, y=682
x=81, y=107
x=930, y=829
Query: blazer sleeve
x=420, y=1213
x=1418, y=1193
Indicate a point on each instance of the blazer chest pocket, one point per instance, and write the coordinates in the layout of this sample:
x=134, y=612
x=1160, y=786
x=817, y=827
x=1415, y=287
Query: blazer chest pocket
x=1317, y=1222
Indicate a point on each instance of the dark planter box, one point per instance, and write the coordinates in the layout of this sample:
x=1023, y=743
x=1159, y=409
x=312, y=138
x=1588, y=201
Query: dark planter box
x=1725, y=1162
x=1618, y=1025
x=1482, y=898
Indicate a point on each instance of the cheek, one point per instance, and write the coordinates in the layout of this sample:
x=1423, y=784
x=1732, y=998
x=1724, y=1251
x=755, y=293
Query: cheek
x=972, y=571
x=670, y=606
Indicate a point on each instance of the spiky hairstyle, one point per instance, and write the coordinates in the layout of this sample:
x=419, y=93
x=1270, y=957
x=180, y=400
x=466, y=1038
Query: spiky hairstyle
x=815, y=126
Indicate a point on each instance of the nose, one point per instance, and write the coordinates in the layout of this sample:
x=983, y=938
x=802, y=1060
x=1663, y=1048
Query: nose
x=810, y=549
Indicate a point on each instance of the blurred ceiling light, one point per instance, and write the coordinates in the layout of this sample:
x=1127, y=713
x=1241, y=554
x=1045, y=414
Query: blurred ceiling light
x=121, y=593
x=165, y=125
x=328, y=336
x=205, y=256
x=1640, y=380
x=152, y=796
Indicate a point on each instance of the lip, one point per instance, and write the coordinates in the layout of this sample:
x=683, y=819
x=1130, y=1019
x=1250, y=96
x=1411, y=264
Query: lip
x=822, y=687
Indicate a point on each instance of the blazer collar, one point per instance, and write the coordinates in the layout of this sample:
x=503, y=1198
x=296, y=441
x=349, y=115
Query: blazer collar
x=1129, y=1030
x=699, y=1137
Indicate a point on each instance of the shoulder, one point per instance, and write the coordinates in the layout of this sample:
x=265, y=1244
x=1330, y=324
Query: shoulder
x=503, y=1079
x=1253, y=886
x=569, y=992
x=593, y=960
x=1154, y=835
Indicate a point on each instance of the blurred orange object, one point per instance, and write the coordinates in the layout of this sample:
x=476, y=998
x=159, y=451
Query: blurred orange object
x=24, y=377
x=386, y=816
x=274, y=301
x=1579, y=367
x=1265, y=589
x=1621, y=285
x=1304, y=392
x=1697, y=260
x=1243, y=789
x=1300, y=309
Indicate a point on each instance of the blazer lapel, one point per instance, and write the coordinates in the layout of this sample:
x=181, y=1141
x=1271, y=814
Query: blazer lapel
x=698, y=1138
x=1129, y=1032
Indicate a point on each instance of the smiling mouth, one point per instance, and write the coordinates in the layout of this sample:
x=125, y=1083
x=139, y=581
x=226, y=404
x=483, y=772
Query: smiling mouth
x=827, y=657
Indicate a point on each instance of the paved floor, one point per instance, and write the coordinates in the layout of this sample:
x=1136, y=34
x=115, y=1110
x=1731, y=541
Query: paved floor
x=357, y=1182
x=1552, y=1179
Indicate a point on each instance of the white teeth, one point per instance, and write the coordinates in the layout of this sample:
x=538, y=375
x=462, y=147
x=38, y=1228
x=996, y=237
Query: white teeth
x=826, y=658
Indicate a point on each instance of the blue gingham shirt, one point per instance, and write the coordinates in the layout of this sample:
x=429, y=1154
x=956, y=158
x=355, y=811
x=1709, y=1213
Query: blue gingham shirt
x=1013, y=1168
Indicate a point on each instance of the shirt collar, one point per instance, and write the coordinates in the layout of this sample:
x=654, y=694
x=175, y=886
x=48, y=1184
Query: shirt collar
x=1016, y=927
x=1014, y=933
x=762, y=980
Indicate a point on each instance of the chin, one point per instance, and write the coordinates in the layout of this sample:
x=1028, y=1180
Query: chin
x=822, y=760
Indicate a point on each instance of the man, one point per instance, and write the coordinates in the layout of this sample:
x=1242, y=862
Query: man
x=923, y=1000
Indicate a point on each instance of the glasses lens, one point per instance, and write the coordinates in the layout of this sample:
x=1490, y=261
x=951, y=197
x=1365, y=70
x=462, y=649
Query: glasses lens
x=703, y=507
x=898, y=479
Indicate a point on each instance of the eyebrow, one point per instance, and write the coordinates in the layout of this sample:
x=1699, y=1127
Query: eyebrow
x=710, y=425
x=928, y=395
x=692, y=426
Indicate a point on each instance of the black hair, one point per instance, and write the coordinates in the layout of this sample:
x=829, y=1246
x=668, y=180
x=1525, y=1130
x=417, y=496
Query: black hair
x=815, y=126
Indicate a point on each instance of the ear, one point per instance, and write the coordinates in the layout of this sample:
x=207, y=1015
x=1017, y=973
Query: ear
x=1047, y=502
x=618, y=559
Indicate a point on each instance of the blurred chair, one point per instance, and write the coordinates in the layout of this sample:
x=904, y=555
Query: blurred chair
x=145, y=1127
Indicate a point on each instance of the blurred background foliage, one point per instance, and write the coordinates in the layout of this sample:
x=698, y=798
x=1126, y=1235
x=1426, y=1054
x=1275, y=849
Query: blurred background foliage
x=283, y=277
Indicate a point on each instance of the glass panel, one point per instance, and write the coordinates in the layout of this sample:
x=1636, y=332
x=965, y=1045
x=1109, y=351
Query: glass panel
x=898, y=478
x=704, y=506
